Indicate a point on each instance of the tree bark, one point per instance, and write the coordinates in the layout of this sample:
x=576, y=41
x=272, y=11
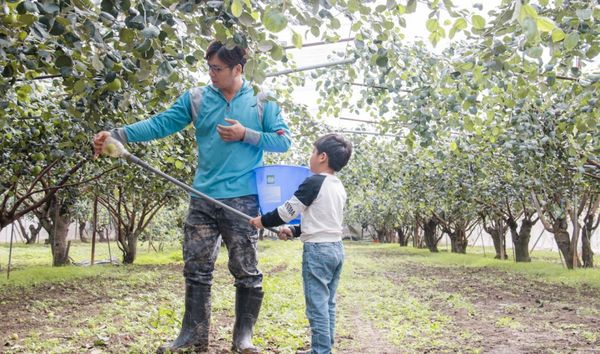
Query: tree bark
x=458, y=240
x=56, y=223
x=129, y=247
x=521, y=237
x=563, y=241
x=429, y=234
x=82, y=235
x=402, y=237
x=587, y=254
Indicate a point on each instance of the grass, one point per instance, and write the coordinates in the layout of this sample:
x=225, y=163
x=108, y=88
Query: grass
x=540, y=270
x=31, y=262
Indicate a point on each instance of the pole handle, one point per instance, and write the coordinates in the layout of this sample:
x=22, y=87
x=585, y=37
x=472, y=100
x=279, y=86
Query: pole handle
x=136, y=160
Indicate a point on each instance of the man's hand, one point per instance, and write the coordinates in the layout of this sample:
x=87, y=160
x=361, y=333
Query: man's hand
x=285, y=234
x=256, y=222
x=233, y=132
x=99, y=140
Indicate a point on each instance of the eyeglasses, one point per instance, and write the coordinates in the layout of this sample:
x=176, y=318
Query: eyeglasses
x=215, y=69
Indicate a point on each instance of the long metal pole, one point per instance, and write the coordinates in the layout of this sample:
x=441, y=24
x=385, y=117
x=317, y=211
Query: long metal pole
x=310, y=67
x=136, y=160
x=536, y=242
x=12, y=233
x=319, y=43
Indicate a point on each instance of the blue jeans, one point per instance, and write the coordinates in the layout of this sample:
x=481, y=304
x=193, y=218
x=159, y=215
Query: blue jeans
x=321, y=269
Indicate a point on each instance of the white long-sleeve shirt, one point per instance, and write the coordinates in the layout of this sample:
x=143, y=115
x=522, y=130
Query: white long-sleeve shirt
x=320, y=199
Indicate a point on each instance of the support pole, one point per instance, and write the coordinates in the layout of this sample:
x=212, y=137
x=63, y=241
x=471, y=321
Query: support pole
x=536, y=241
x=95, y=212
x=12, y=234
x=482, y=244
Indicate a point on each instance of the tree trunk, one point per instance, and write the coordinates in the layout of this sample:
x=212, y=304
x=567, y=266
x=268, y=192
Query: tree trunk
x=587, y=254
x=499, y=243
x=429, y=234
x=417, y=240
x=57, y=225
x=458, y=241
x=520, y=238
x=563, y=241
x=34, y=233
x=128, y=245
x=82, y=237
x=402, y=237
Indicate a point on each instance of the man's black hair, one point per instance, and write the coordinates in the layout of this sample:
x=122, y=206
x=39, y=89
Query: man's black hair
x=231, y=57
x=337, y=148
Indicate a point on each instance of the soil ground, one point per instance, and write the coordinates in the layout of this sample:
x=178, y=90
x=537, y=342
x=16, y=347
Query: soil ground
x=389, y=302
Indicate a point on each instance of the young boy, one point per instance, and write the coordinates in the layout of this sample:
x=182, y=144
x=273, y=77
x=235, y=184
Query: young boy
x=320, y=199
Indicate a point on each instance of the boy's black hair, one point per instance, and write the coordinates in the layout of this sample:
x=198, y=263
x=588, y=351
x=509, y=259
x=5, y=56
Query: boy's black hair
x=231, y=57
x=337, y=148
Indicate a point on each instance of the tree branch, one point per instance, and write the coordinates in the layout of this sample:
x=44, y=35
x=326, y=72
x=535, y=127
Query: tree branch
x=540, y=212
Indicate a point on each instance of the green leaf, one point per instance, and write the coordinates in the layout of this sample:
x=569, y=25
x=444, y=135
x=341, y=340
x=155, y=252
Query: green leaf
x=527, y=11
x=584, y=14
x=64, y=61
x=274, y=21
x=127, y=35
x=150, y=31
x=435, y=37
x=297, y=40
x=530, y=29
x=544, y=24
x=557, y=35
x=411, y=6
x=335, y=23
x=431, y=24
x=478, y=22
x=535, y=52
x=460, y=24
x=453, y=146
x=315, y=31
x=237, y=8
x=265, y=46
x=165, y=68
x=571, y=40
x=277, y=53
x=382, y=60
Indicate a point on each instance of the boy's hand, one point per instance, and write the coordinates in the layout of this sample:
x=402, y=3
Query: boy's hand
x=285, y=234
x=256, y=222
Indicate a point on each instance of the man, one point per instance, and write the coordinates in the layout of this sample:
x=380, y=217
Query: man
x=233, y=128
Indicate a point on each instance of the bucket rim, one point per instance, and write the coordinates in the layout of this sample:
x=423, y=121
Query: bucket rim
x=282, y=165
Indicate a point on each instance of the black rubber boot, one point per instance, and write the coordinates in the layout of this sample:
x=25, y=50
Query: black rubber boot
x=247, y=307
x=195, y=324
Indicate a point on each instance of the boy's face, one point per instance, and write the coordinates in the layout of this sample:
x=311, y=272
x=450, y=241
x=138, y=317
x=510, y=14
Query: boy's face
x=316, y=161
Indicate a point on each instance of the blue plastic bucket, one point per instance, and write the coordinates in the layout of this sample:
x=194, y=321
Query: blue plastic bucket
x=277, y=183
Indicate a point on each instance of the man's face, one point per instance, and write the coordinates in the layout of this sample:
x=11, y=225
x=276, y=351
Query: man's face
x=221, y=75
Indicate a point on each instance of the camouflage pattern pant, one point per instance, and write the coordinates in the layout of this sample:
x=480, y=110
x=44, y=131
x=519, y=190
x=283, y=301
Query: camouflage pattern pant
x=206, y=224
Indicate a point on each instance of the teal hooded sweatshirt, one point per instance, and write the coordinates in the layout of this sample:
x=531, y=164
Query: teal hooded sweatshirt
x=225, y=169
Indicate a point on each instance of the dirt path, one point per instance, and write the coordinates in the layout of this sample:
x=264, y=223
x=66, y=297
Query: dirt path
x=507, y=312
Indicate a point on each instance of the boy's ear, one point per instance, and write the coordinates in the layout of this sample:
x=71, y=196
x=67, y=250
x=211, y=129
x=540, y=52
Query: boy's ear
x=323, y=157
